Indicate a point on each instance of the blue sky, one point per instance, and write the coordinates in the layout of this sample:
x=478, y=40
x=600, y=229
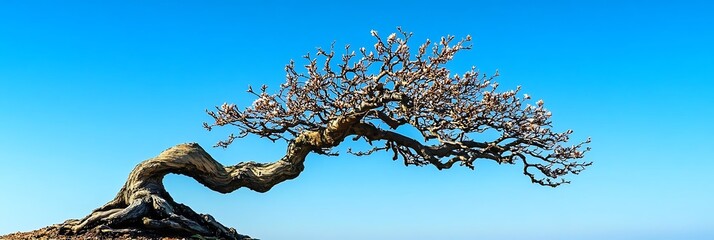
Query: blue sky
x=90, y=89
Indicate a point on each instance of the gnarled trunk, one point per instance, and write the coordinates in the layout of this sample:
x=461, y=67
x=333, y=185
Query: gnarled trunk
x=144, y=204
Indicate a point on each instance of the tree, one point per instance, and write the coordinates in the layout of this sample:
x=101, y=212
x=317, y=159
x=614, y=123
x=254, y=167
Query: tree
x=368, y=95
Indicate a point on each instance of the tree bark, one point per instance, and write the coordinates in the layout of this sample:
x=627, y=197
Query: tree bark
x=144, y=204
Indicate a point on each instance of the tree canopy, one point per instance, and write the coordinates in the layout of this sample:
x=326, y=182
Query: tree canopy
x=370, y=94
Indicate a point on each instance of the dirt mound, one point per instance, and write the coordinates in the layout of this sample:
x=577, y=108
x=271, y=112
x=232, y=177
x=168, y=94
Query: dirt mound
x=53, y=233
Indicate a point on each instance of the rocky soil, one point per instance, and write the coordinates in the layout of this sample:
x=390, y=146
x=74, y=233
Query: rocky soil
x=52, y=233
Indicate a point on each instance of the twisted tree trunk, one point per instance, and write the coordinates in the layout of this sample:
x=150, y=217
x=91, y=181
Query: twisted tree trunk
x=144, y=204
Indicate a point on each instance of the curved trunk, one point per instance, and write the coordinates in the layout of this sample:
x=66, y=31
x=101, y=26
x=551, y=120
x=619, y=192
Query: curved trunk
x=144, y=204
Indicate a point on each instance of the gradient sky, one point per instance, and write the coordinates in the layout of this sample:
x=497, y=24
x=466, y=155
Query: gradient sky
x=90, y=89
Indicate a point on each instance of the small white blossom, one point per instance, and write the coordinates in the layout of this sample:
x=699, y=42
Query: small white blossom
x=392, y=37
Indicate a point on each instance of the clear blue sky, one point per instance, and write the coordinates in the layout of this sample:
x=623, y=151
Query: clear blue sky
x=90, y=89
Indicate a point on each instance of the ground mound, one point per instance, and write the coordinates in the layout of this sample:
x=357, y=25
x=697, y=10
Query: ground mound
x=53, y=233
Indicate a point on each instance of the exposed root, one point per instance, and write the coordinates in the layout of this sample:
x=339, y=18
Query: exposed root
x=151, y=213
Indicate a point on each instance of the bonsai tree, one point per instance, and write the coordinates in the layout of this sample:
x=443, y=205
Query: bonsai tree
x=363, y=95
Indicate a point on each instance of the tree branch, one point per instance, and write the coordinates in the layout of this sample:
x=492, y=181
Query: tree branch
x=394, y=86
